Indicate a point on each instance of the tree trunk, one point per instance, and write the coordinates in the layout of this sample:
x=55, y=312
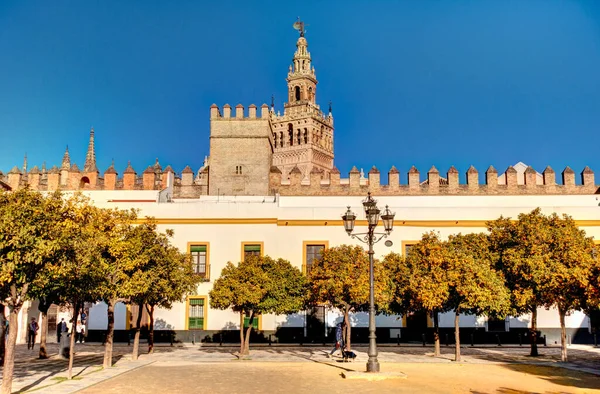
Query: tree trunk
x=110, y=332
x=72, y=342
x=348, y=331
x=533, y=332
x=150, y=329
x=457, y=335
x=9, y=357
x=3, y=333
x=436, y=334
x=242, y=342
x=44, y=334
x=136, y=338
x=43, y=308
x=563, y=336
x=248, y=331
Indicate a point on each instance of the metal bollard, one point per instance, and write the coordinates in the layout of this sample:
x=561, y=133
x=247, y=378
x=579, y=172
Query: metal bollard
x=269, y=339
x=472, y=339
x=172, y=339
x=545, y=342
x=193, y=338
x=447, y=343
x=424, y=339
x=520, y=340
x=595, y=340
x=569, y=340
x=498, y=339
x=398, y=339
x=220, y=339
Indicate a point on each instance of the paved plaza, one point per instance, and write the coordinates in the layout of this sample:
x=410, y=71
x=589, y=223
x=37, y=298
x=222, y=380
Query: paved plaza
x=303, y=369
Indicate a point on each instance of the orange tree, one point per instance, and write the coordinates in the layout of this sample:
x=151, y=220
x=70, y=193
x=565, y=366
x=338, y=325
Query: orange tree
x=158, y=274
x=421, y=281
x=522, y=252
x=113, y=244
x=256, y=286
x=340, y=278
x=475, y=287
x=29, y=239
x=573, y=270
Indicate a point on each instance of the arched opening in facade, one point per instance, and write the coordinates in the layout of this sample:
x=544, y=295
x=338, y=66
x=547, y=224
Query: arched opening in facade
x=84, y=182
x=291, y=134
x=297, y=93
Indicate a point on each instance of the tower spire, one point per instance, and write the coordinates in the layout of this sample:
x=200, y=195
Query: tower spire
x=66, y=161
x=90, y=157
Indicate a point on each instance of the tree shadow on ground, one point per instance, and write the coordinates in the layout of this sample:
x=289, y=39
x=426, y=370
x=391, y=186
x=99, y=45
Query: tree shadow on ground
x=556, y=375
x=547, y=366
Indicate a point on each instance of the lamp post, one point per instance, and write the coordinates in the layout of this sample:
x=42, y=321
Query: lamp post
x=372, y=214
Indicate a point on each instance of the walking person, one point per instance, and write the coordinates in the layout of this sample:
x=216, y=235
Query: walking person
x=61, y=329
x=80, y=331
x=32, y=330
x=339, y=338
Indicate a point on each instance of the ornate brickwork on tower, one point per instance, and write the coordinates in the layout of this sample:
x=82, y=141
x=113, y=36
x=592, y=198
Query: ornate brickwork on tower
x=303, y=135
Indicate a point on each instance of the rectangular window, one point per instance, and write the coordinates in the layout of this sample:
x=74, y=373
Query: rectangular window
x=254, y=322
x=252, y=249
x=407, y=246
x=497, y=325
x=313, y=250
x=199, y=253
x=196, y=313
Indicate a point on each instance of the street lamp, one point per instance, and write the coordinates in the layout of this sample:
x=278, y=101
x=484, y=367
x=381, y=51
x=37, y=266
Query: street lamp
x=371, y=237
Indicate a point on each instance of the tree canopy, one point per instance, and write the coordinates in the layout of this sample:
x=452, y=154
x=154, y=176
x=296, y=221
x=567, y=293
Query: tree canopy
x=256, y=286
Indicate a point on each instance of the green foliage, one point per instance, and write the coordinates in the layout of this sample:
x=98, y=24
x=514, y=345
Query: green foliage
x=475, y=286
x=259, y=285
x=160, y=274
x=522, y=253
x=29, y=223
x=340, y=278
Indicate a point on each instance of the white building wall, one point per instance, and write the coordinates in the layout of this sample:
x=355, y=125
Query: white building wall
x=283, y=236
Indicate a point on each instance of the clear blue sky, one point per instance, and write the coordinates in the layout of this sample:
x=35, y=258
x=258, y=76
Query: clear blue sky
x=412, y=82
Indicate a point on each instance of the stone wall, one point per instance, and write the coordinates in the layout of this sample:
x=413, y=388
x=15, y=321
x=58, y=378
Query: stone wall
x=297, y=185
x=241, y=151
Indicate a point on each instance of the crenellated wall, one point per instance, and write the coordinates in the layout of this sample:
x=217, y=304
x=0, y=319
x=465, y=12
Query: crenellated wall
x=241, y=151
x=153, y=178
x=510, y=183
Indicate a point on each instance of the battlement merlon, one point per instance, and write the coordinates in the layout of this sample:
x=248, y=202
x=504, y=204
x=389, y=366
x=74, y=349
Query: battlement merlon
x=217, y=114
x=511, y=182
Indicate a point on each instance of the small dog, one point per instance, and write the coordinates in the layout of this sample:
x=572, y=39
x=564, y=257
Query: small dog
x=348, y=356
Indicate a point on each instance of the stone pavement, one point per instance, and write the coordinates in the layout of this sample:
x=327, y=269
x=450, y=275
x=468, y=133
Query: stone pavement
x=315, y=377
x=49, y=376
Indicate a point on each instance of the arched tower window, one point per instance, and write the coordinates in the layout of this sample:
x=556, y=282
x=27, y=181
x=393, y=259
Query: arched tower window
x=84, y=183
x=281, y=139
x=291, y=134
x=305, y=136
x=310, y=93
x=299, y=137
x=297, y=93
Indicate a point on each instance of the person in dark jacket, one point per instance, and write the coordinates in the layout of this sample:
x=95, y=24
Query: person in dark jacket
x=32, y=330
x=339, y=338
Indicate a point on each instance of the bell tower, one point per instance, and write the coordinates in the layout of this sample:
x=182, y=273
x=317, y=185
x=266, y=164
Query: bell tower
x=303, y=135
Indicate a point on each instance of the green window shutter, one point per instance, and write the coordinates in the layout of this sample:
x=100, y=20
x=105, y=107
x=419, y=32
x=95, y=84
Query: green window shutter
x=196, y=323
x=251, y=248
x=198, y=248
x=197, y=301
x=254, y=323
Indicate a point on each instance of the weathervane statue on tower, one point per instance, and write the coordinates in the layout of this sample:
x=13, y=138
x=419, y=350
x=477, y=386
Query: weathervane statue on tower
x=299, y=25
